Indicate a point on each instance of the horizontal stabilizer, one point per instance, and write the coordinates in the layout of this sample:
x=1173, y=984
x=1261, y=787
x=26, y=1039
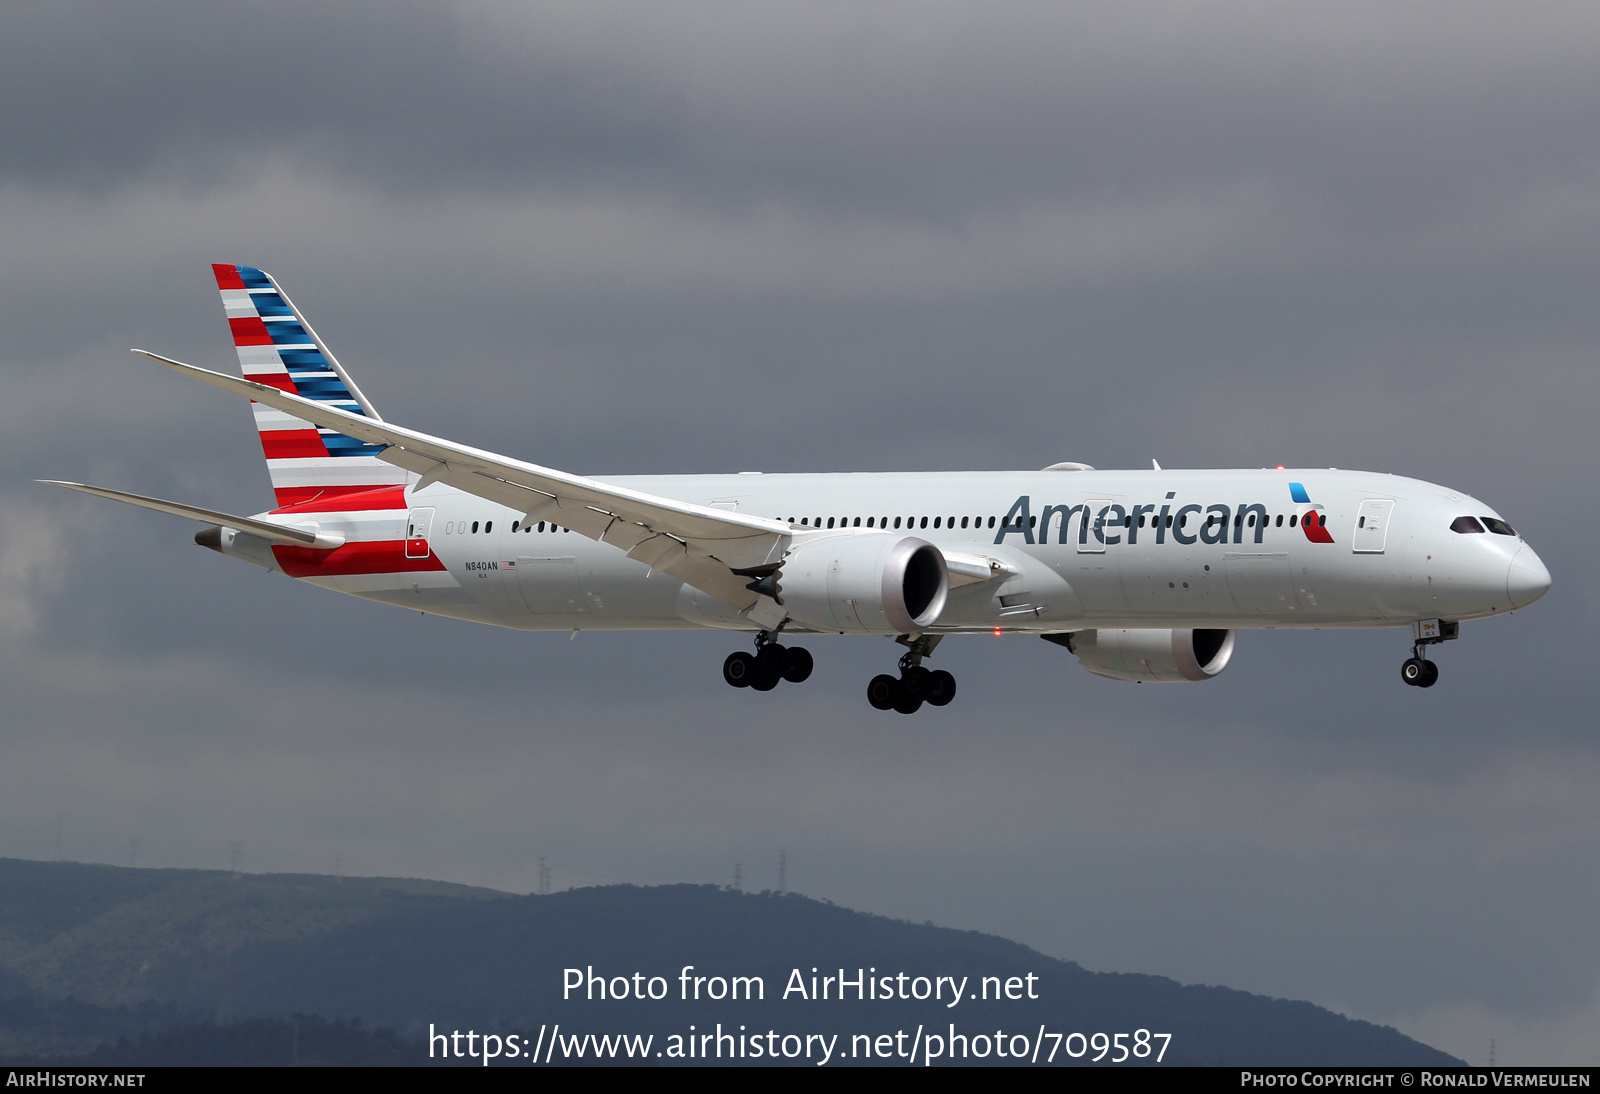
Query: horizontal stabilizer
x=278, y=533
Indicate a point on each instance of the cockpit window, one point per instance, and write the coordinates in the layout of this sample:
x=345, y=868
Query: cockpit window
x=1466, y=525
x=1499, y=527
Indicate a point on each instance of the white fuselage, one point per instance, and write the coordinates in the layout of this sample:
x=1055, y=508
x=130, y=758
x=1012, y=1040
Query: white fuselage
x=1389, y=556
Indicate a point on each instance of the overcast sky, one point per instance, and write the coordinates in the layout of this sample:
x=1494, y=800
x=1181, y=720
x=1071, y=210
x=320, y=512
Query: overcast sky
x=636, y=238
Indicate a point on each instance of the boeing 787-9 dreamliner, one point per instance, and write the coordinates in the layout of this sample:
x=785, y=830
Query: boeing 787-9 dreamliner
x=1143, y=575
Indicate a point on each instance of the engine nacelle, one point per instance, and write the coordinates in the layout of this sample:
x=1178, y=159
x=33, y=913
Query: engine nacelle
x=864, y=583
x=1166, y=656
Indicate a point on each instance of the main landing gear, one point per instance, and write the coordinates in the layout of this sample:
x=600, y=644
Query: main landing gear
x=770, y=664
x=915, y=685
x=1417, y=670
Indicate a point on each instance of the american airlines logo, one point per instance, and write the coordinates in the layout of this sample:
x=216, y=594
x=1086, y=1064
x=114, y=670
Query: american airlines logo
x=1111, y=523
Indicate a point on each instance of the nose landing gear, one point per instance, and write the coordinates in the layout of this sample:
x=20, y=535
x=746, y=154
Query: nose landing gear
x=1417, y=670
x=768, y=666
x=915, y=685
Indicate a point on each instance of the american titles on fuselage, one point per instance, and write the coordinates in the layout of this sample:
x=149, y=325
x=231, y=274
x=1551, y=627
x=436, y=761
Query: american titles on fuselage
x=1110, y=521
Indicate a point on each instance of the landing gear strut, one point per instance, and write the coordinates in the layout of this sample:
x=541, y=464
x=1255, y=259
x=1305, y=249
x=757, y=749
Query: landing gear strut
x=769, y=665
x=915, y=685
x=1417, y=670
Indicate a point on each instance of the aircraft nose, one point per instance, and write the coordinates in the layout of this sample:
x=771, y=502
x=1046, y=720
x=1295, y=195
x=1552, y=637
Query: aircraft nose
x=1527, y=579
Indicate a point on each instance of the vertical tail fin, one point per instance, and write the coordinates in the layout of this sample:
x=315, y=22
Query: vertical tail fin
x=277, y=346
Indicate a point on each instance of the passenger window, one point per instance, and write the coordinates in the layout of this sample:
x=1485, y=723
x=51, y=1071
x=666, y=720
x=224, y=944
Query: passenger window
x=924, y=522
x=1280, y=520
x=897, y=522
x=963, y=522
x=514, y=525
x=991, y=522
x=474, y=526
x=805, y=521
x=1293, y=517
x=1033, y=522
x=857, y=523
x=1499, y=527
x=488, y=526
x=1141, y=520
x=449, y=527
x=936, y=522
x=869, y=522
x=1362, y=523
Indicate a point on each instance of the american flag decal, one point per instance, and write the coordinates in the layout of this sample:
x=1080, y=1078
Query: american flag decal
x=276, y=346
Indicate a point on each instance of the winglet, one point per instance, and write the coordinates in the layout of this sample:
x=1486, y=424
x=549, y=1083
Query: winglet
x=237, y=384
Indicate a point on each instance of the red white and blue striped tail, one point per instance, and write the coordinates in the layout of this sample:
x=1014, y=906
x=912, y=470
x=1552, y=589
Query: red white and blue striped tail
x=278, y=347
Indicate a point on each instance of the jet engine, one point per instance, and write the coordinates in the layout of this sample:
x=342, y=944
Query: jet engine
x=1166, y=656
x=863, y=583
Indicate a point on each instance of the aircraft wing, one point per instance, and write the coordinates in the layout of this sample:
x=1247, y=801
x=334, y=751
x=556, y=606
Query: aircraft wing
x=278, y=533
x=970, y=569
x=710, y=549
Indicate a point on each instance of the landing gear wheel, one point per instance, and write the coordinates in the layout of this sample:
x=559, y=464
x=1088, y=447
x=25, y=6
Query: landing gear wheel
x=1414, y=670
x=884, y=691
x=917, y=682
x=941, y=688
x=1430, y=675
x=907, y=703
x=796, y=664
x=770, y=660
x=739, y=669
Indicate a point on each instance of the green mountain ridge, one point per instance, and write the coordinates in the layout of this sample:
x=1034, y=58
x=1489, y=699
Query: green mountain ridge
x=118, y=942
x=118, y=936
